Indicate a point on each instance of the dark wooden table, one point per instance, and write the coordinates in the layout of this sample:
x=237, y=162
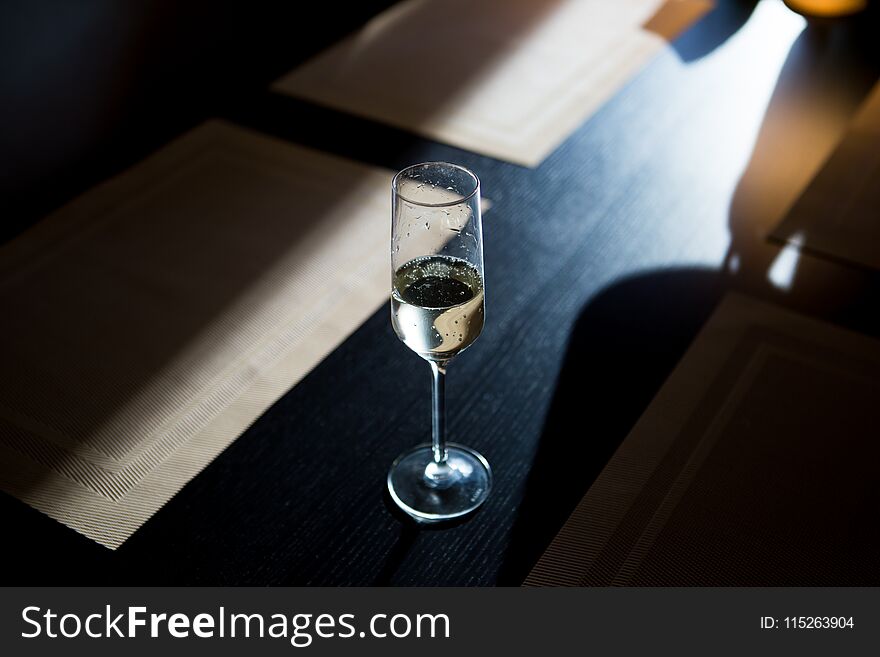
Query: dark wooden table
x=601, y=265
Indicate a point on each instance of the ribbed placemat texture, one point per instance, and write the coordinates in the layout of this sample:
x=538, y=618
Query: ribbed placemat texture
x=148, y=323
x=755, y=465
x=505, y=78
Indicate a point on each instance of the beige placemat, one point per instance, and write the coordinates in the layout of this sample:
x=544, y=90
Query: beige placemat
x=839, y=213
x=755, y=464
x=506, y=78
x=152, y=320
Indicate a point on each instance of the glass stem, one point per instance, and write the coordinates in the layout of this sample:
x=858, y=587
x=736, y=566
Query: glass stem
x=438, y=473
x=438, y=411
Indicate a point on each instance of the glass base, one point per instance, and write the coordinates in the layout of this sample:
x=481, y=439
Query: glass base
x=430, y=494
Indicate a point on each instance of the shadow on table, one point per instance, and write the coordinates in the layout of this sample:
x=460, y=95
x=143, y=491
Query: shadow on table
x=715, y=29
x=628, y=338
x=410, y=530
x=622, y=347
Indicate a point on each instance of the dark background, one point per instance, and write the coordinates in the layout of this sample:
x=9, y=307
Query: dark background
x=92, y=86
x=602, y=264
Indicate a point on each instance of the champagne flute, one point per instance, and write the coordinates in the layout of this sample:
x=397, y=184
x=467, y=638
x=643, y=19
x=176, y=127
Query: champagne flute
x=437, y=311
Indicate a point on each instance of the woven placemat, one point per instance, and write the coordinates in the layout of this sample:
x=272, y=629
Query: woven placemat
x=755, y=465
x=149, y=322
x=505, y=78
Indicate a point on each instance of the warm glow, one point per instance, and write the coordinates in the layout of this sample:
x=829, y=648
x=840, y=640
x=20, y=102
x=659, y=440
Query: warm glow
x=827, y=7
x=784, y=267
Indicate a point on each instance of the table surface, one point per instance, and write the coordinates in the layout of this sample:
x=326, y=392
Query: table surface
x=601, y=266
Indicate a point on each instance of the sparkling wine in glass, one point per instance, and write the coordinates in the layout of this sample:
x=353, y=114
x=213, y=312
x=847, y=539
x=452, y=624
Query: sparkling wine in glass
x=437, y=310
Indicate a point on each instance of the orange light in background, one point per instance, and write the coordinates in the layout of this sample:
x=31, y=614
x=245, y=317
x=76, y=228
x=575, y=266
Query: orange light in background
x=827, y=8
